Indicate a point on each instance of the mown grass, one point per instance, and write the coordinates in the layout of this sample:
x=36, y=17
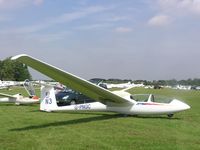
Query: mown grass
x=25, y=127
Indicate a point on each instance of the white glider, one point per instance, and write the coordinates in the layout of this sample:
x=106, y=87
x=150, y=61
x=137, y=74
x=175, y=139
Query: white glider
x=117, y=101
x=6, y=84
x=18, y=98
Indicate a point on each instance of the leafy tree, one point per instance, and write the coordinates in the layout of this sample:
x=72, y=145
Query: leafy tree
x=6, y=70
x=21, y=72
x=13, y=70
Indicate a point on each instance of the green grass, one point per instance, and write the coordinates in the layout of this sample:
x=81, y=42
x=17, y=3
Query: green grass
x=25, y=127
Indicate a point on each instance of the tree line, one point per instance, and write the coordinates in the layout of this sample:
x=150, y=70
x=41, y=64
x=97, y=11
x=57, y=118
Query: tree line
x=11, y=70
x=172, y=82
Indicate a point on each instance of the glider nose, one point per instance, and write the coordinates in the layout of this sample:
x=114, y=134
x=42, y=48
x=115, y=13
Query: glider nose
x=185, y=106
x=180, y=105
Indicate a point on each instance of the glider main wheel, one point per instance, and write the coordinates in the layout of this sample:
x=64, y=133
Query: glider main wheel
x=73, y=102
x=170, y=115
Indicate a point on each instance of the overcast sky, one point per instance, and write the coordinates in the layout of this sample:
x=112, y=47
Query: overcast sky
x=127, y=39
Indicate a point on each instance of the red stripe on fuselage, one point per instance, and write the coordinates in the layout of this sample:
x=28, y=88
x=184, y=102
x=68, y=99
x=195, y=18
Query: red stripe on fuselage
x=149, y=104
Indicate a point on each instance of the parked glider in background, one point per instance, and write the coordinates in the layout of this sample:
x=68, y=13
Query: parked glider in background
x=6, y=84
x=18, y=98
x=117, y=101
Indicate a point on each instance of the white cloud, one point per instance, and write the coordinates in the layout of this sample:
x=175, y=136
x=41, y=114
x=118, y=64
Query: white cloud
x=160, y=20
x=181, y=6
x=94, y=26
x=123, y=29
x=192, y=5
x=63, y=18
x=66, y=17
x=118, y=18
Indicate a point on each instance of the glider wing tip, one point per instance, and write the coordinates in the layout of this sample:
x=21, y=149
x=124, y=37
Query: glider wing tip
x=18, y=56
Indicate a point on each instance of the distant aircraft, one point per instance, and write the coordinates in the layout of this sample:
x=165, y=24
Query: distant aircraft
x=18, y=98
x=123, y=85
x=117, y=101
x=5, y=84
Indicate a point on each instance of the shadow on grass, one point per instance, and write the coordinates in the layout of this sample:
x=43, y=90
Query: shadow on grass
x=12, y=104
x=7, y=104
x=156, y=117
x=99, y=113
x=68, y=122
x=86, y=120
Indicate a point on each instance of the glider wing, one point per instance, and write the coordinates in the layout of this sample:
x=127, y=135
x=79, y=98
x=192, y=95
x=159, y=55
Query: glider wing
x=7, y=95
x=74, y=82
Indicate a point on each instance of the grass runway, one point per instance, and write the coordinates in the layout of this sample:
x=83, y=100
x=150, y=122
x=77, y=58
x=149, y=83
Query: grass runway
x=25, y=127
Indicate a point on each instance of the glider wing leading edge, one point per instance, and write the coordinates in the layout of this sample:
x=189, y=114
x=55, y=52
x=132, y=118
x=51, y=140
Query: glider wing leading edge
x=7, y=95
x=74, y=82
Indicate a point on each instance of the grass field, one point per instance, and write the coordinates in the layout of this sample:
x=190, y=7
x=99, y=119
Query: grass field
x=25, y=127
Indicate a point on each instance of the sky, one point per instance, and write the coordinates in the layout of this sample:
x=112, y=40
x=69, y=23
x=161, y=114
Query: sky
x=129, y=39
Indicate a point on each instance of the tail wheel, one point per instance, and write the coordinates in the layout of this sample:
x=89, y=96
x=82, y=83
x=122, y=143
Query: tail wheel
x=170, y=115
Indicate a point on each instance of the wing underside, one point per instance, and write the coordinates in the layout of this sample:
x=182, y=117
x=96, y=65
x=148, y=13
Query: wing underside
x=76, y=83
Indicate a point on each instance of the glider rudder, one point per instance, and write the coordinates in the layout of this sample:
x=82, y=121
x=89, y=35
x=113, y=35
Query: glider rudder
x=48, y=99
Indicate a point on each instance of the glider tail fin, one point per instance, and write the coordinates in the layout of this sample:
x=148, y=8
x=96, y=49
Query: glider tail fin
x=48, y=99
